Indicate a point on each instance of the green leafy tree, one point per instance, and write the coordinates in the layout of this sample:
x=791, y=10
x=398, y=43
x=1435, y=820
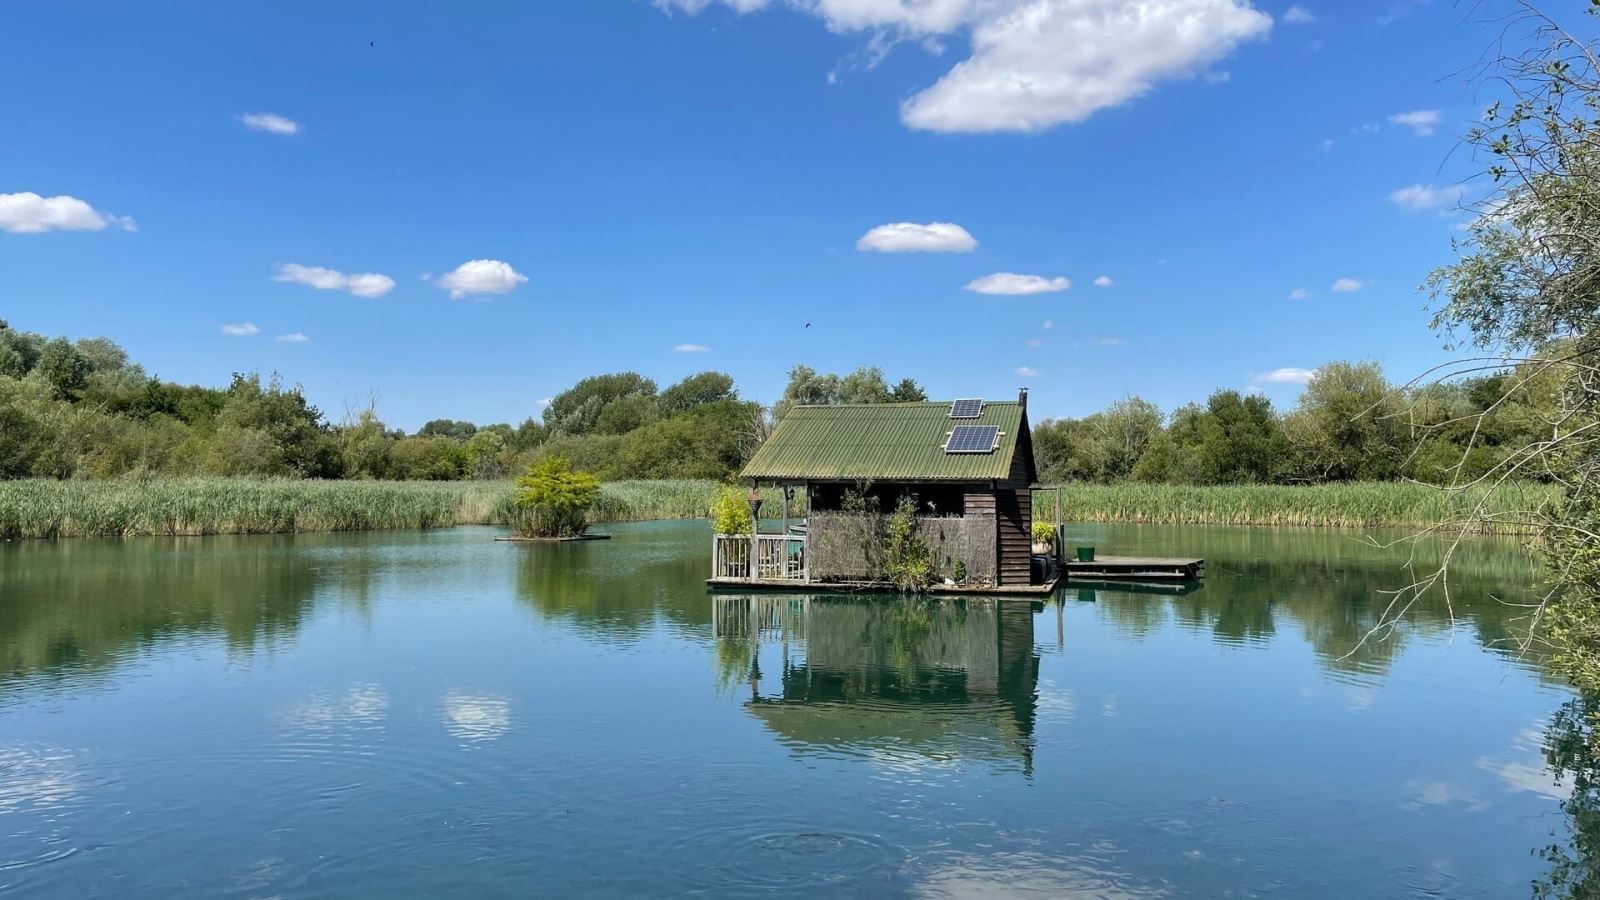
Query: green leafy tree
x=603, y=404
x=697, y=390
x=554, y=500
x=448, y=428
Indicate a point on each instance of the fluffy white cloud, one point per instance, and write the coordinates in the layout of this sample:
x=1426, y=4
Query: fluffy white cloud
x=1298, y=15
x=1048, y=324
x=1025, y=372
x=29, y=213
x=1040, y=63
x=243, y=329
x=1103, y=281
x=1036, y=63
x=293, y=337
x=1010, y=284
x=1422, y=122
x=1286, y=375
x=365, y=284
x=691, y=348
x=272, y=123
x=1419, y=197
x=481, y=276
x=1348, y=285
x=1299, y=294
x=910, y=237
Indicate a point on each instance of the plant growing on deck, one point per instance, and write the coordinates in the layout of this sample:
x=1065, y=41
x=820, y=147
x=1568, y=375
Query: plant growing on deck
x=553, y=500
x=730, y=512
x=907, y=563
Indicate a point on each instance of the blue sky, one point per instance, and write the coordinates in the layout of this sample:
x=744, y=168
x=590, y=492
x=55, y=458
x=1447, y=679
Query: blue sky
x=644, y=178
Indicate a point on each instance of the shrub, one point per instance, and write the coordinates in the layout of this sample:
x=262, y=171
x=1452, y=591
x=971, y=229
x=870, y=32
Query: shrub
x=909, y=565
x=730, y=513
x=553, y=500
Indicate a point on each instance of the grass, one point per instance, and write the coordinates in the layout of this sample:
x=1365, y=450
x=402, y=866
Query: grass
x=196, y=506
x=1350, y=505
x=40, y=508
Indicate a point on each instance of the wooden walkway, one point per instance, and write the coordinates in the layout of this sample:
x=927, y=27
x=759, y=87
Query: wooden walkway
x=1134, y=568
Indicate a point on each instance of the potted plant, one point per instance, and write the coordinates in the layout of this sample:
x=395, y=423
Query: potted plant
x=1044, y=537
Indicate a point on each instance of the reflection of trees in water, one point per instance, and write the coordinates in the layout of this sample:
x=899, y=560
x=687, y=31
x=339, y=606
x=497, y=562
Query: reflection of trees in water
x=618, y=589
x=1573, y=757
x=88, y=604
x=1332, y=586
x=940, y=678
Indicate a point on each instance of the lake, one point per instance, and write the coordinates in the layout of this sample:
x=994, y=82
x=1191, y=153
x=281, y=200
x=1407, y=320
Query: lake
x=386, y=714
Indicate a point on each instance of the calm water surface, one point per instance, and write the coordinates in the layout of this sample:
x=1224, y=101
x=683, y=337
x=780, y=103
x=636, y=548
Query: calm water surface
x=405, y=714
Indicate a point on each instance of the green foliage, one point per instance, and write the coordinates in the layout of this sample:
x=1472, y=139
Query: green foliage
x=730, y=512
x=908, y=564
x=554, y=499
x=807, y=387
x=697, y=390
x=603, y=404
x=1044, y=532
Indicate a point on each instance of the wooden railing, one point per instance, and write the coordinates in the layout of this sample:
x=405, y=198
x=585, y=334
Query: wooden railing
x=777, y=557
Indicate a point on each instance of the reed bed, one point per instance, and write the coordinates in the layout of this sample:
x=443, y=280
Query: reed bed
x=1348, y=505
x=41, y=508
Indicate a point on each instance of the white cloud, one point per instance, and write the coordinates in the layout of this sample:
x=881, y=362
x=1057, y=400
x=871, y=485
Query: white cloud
x=1327, y=144
x=293, y=337
x=1040, y=63
x=909, y=237
x=1286, y=375
x=1103, y=281
x=1048, y=324
x=1422, y=122
x=243, y=329
x=29, y=213
x=1298, y=15
x=1348, y=285
x=1036, y=63
x=1418, y=197
x=272, y=123
x=1025, y=372
x=691, y=348
x=481, y=276
x=1111, y=342
x=546, y=401
x=1036, y=343
x=1299, y=294
x=365, y=284
x=1011, y=284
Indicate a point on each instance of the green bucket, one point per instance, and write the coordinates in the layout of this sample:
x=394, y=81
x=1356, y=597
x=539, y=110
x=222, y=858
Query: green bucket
x=1085, y=554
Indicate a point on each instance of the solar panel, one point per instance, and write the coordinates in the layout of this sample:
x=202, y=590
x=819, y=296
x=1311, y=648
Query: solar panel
x=966, y=409
x=972, y=439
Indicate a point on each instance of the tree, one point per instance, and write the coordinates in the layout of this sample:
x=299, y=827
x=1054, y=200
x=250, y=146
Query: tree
x=908, y=391
x=697, y=390
x=807, y=387
x=1348, y=426
x=449, y=428
x=603, y=404
x=554, y=500
x=64, y=368
x=1118, y=437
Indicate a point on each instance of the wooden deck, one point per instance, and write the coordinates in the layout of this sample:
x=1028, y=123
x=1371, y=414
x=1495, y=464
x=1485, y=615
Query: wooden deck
x=1134, y=568
x=862, y=587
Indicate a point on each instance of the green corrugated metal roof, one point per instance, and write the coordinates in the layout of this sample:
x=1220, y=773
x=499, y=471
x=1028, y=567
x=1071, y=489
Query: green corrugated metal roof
x=883, y=442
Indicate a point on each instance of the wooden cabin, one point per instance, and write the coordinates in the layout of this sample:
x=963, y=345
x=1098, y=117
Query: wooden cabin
x=967, y=464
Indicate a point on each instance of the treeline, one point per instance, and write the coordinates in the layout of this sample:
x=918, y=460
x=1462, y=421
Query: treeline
x=82, y=409
x=1350, y=424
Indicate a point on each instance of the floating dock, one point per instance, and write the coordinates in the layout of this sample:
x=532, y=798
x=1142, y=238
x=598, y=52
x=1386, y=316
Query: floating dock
x=1134, y=568
x=859, y=587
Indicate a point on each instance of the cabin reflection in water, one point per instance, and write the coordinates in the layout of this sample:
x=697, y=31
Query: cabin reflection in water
x=895, y=679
